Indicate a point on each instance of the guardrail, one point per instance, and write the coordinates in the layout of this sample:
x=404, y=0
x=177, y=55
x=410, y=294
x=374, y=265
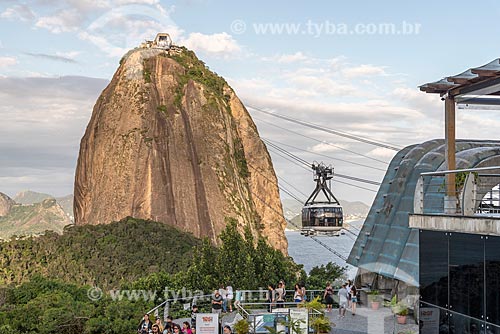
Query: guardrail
x=477, y=192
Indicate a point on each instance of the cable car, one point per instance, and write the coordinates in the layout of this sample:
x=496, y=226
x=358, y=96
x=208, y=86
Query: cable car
x=326, y=216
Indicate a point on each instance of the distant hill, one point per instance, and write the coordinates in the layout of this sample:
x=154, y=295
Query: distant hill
x=357, y=208
x=98, y=254
x=32, y=219
x=30, y=197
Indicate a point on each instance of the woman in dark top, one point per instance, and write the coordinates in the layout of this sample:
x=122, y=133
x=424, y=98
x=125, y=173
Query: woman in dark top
x=271, y=297
x=145, y=325
x=328, y=297
x=354, y=299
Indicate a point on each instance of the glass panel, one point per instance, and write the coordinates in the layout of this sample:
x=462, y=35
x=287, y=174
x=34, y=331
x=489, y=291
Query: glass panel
x=433, y=319
x=492, y=288
x=466, y=267
x=492, y=329
x=434, y=267
x=460, y=324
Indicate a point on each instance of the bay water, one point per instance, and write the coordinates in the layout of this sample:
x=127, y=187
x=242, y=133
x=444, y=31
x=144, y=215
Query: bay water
x=308, y=252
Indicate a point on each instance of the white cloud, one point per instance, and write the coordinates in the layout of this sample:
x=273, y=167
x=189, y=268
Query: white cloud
x=363, y=71
x=291, y=58
x=7, y=61
x=381, y=152
x=327, y=148
x=18, y=12
x=66, y=20
x=41, y=131
x=68, y=54
x=103, y=44
x=221, y=44
x=288, y=58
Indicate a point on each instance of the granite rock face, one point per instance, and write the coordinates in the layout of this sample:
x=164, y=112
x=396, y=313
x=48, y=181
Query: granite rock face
x=6, y=204
x=170, y=141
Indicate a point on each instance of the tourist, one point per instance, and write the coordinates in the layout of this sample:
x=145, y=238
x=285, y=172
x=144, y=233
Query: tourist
x=238, y=298
x=328, y=297
x=303, y=291
x=229, y=297
x=348, y=288
x=145, y=325
x=227, y=330
x=194, y=311
x=168, y=326
x=156, y=329
x=159, y=324
x=284, y=289
x=177, y=329
x=297, y=295
x=186, y=328
x=216, y=302
x=280, y=295
x=223, y=293
x=342, y=300
x=270, y=297
x=354, y=299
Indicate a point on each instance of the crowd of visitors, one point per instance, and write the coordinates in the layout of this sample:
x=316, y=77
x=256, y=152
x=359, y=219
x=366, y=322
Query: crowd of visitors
x=276, y=296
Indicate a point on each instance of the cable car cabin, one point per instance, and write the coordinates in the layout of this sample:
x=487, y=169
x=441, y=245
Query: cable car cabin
x=322, y=218
x=325, y=217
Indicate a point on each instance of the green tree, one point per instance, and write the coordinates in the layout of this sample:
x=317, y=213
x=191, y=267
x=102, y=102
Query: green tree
x=318, y=276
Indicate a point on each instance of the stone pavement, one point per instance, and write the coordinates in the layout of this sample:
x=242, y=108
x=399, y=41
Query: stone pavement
x=370, y=321
x=366, y=321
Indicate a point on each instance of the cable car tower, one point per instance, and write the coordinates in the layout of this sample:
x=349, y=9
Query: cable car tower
x=326, y=216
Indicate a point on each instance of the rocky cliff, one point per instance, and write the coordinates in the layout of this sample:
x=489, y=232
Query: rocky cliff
x=170, y=141
x=6, y=204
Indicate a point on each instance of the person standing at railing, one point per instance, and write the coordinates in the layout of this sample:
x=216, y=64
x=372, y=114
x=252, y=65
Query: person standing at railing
x=284, y=289
x=223, y=293
x=237, y=300
x=304, y=291
x=297, y=295
x=328, y=297
x=194, y=312
x=229, y=297
x=280, y=295
x=270, y=297
x=216, y=303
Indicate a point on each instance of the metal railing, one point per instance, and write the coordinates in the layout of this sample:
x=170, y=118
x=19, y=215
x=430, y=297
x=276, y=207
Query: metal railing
x=477, y=192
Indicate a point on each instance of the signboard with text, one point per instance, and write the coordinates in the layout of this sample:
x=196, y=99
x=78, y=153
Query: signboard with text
x=429, y=320
x=207, y=323
x=301, y=316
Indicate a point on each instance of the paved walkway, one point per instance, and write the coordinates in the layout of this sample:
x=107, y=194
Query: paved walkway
x=366, y=321
x=370, y=321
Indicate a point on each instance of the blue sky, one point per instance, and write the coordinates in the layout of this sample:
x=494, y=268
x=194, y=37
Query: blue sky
x=59, y=55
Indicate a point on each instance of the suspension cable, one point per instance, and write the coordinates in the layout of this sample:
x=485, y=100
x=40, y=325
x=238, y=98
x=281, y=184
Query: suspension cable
x=328, y=130
x=323, y=155
x=323, y=142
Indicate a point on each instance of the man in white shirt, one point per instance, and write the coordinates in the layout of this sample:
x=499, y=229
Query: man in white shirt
x=342, y=300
